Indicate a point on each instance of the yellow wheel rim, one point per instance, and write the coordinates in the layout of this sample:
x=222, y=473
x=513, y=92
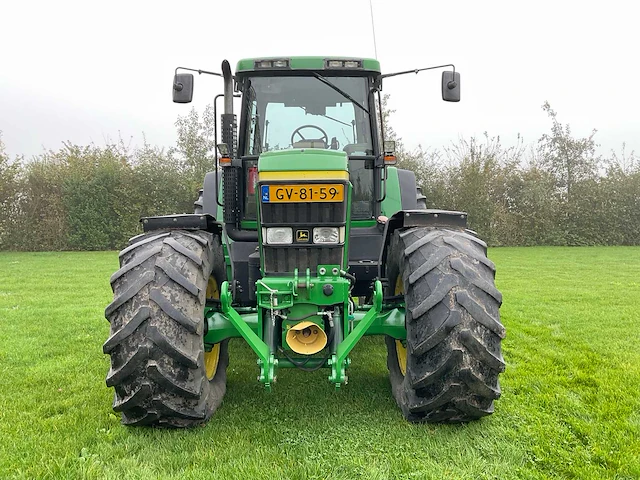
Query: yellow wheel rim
x=211, y=361
x=212, y=289
x=401, y=350
x=211, y=358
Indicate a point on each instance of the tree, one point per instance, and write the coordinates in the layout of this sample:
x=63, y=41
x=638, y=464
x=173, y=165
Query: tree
x=569, y=159
x=195, y=147
x=9, y=195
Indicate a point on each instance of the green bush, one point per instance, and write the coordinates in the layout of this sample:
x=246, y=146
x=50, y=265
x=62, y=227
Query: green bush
x=557, y=193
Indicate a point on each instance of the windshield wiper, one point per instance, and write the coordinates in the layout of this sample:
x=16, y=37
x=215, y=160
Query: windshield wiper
x=339, y=90
x=326, y=116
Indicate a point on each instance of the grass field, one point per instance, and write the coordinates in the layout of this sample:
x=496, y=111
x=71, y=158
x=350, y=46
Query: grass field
x=570, y=406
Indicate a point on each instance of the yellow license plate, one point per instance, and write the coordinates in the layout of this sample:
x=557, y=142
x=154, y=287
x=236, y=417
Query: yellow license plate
x=315, y=192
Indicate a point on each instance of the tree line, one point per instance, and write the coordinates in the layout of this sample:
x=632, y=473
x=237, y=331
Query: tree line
x=558, y=191
x=92, y=197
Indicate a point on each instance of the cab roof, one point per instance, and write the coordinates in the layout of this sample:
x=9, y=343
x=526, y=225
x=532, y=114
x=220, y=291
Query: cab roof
x=342, y=64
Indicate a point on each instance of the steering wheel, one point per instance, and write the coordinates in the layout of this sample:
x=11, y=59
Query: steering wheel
x=324, y=137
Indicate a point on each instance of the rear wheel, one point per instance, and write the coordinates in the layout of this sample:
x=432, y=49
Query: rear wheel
x=160, y=370
x=447, y=369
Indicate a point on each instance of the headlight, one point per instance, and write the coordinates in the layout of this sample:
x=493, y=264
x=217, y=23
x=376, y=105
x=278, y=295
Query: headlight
x=326, y=235
x=279, y=235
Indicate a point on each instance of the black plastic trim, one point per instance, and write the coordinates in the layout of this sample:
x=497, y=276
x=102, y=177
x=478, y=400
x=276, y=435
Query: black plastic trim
x=408, y=190
x=186, y=221
x=419, y=218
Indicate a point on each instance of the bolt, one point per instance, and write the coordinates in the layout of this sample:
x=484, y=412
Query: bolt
x=435, y=215
x=175, y=219
x=146, y=221
x=335, y=271
x=322, y=271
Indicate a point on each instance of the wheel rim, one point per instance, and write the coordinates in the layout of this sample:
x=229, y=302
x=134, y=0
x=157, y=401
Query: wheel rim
x=401, y=350
x=211, y=361
x=211, y=358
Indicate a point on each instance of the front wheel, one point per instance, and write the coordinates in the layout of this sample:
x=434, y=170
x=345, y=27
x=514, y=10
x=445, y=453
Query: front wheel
x=160, y=369
x=447, y=369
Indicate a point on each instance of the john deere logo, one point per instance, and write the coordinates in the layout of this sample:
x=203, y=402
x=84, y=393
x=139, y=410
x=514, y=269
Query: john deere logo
x=302, y=235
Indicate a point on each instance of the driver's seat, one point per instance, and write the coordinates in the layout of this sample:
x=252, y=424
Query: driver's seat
x=310, y=143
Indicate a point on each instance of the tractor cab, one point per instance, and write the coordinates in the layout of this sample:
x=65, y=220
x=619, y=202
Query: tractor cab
x=310, y=103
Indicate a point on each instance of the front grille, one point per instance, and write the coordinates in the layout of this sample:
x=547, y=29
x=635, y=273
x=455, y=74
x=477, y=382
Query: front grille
x=286, y=259
x=310, y=213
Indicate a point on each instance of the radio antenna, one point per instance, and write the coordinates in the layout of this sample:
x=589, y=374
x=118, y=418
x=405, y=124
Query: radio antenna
x=373, y=29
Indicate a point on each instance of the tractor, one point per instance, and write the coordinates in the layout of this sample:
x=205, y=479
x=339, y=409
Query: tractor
x=304, y=238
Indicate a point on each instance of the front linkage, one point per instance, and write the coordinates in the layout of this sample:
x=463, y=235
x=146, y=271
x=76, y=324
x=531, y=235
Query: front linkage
x=276, y=294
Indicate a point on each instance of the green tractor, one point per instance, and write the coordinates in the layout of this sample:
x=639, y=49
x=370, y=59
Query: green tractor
x=304, y=239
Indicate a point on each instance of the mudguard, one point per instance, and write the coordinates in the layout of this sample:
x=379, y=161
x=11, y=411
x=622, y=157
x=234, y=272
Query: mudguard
x=418, y=218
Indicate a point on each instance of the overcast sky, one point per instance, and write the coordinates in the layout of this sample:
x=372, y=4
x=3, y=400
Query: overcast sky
x=91, y=71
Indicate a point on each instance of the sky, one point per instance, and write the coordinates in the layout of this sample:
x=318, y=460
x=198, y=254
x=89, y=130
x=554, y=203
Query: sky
x=98, y=71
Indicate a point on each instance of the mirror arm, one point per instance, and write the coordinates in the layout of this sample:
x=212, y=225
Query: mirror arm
x=198, y=71
x=417, y=70
x=451, y=85
x=178, y=86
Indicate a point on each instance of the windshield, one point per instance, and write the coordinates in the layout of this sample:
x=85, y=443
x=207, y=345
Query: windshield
x=305, y=112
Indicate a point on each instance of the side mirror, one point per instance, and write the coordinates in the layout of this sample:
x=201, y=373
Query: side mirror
x=451, y=86
x=182, y=88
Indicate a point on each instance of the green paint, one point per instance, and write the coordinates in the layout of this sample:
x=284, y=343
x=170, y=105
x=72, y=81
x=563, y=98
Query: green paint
x=363, y=223
x=308, y=63
x=219, y=327
x=300, y=159
x=339, y=360
x=392, y=202
x=248, y=224
x=266, y=360
x=283, y=292
x=387, y=322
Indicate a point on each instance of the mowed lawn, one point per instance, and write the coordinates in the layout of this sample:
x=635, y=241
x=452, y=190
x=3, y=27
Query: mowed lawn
x=570, y=405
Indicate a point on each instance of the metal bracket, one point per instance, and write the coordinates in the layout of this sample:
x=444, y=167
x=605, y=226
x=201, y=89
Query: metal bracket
x=266, y=361
x=339, y=360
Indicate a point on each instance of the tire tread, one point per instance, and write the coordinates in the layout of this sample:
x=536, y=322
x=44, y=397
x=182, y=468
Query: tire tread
x=453, y=326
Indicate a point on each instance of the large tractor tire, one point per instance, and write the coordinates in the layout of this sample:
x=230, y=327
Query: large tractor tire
x=160, y=370
x=447, y=370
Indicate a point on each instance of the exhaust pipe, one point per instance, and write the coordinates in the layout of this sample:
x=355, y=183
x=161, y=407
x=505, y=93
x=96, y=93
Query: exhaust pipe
x=231, y=174
x=228, y=119
x=228, y=87
x=306, y=338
